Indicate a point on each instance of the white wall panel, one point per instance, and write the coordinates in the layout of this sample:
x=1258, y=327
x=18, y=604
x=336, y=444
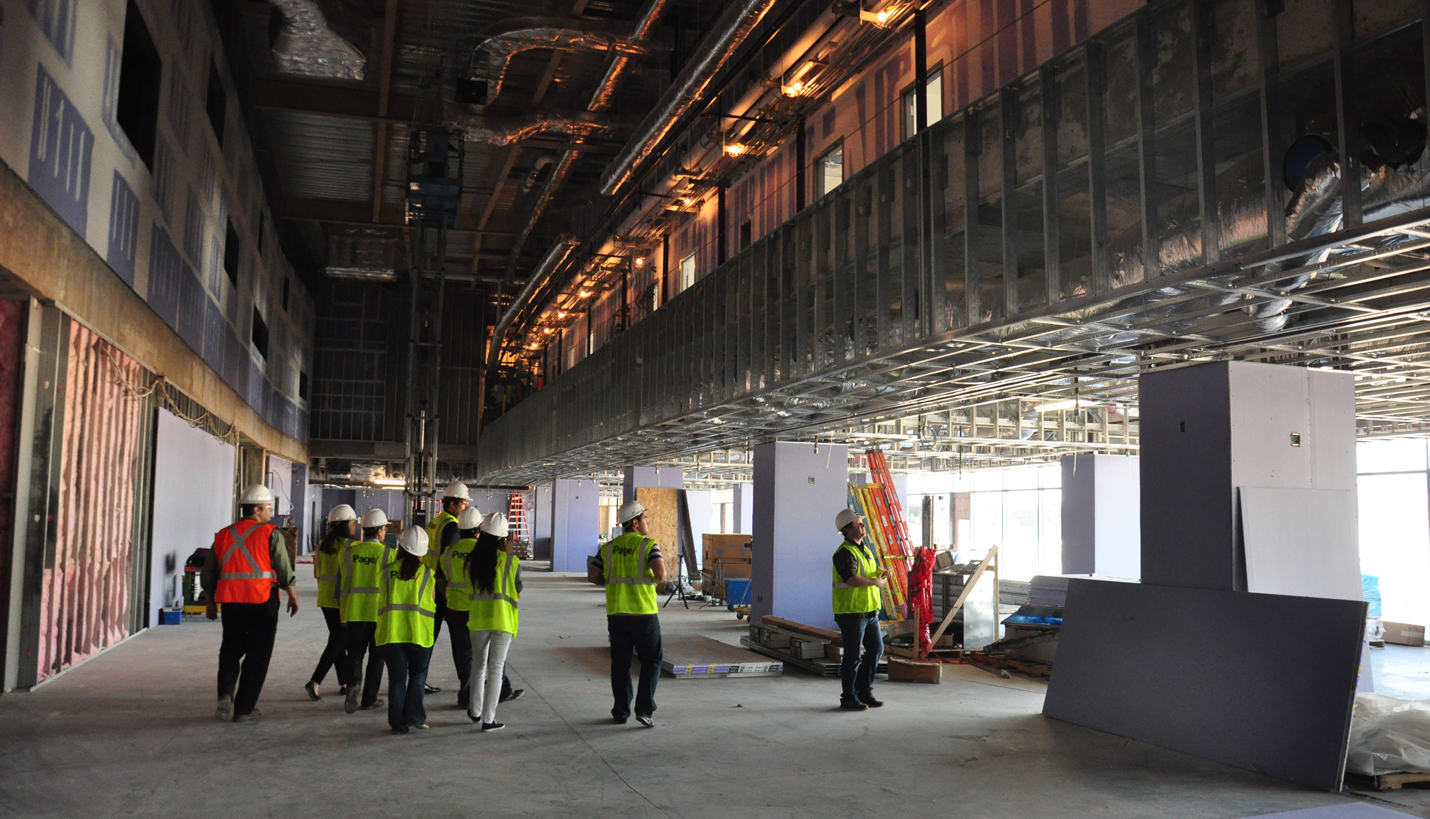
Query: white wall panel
x=193, y=499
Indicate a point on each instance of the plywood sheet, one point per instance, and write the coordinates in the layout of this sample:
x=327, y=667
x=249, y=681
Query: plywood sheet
x=1259, y=681
x=1301, y=541
x=662, y=519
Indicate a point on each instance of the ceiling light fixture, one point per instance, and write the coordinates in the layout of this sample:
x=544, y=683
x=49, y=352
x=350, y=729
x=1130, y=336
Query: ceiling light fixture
x=736, y=148
x=1071, y=403
x=640, y=261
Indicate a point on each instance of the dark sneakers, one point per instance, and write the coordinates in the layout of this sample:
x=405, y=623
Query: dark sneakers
x=350, y=703
x=430, y=689
x=224, y=713
x=852, y=705
x=492, y=726
x=514, y=695
x=647, y=721
x=871, y=702
x=377, y=703
x=312, y=689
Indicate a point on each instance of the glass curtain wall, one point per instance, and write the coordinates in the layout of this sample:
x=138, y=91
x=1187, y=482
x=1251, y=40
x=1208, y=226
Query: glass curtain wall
x=1019, y=510
x=1394, y=499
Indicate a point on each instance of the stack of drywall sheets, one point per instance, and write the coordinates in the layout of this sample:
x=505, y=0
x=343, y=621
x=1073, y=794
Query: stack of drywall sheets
x=692, y=657
x=1048, y=590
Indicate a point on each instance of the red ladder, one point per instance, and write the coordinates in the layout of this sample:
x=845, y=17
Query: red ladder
x=516, y=518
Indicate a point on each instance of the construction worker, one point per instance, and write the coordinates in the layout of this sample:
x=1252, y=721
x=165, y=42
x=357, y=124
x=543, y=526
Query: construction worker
x=243, y=571
x=406, y=619
x=858, y=582
x=442, y=532
x=630, y=566
x=358, y=590
x=495, y=577
x=452, y=582
x=342, y=528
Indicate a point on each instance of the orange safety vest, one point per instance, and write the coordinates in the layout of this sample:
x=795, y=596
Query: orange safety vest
x=244, y=575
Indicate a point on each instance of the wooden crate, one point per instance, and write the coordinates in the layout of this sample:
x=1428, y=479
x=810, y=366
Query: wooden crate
x=902, y=670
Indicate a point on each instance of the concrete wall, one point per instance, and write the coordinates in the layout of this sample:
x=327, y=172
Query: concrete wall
x=798, y=490
x=575, y=520
x=193, y=499
x=1101, y=517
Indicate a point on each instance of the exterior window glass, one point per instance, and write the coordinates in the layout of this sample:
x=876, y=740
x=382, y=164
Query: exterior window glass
x=687, y=271
x=829, y=170
x=933, y=105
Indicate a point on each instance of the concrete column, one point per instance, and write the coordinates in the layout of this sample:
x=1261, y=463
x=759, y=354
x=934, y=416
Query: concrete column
x=1210, y=430
x=575, y=521
x=798, y=490
x=541, y=518
x=649, y=477
x=1102, y=532
x=744, y=508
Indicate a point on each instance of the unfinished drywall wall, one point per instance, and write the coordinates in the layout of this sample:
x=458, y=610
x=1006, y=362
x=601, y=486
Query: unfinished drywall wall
x=193, y=499
x=1101, y=515
x=575, y=519
x=799, y=488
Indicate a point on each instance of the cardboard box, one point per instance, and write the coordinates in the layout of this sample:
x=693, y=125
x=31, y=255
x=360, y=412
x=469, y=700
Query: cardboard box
x=733, y=552
x=1404, y=634
x=901, y=670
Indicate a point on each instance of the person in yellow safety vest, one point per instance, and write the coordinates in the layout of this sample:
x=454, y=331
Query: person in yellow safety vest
x=630, y=566
x=244, y=570
x=342, y=528
x=495, y=577
x=442, y=532
x=358, y=589
x=453, y=584
x=406, y=619
x=856, y=595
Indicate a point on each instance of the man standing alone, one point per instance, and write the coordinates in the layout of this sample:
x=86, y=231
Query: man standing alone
x=857, y=584
x=244, y=570
x=630, y=567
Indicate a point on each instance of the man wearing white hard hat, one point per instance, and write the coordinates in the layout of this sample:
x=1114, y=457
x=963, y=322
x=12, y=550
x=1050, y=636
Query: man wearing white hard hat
x=630, y=566
x=243, y=571
x=327, y=563
x=442, y=533
x=359, y=585
x=858, y=583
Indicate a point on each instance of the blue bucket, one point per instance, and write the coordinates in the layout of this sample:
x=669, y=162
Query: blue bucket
x=737, y=592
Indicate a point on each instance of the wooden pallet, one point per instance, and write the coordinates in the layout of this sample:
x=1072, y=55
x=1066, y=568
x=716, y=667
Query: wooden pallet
x=1390, y=781
x=1031, y=669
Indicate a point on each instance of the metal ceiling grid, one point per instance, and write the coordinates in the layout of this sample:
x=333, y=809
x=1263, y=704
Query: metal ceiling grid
x=323, y=157
x=911, y=287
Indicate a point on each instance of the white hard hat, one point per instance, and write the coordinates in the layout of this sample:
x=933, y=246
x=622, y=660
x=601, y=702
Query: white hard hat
x=341, y=512
x=629, y=511
x=846, y=517
x=413, y=539
x=374, y=518
x=469, y=519
x=255, y=495
x=495, y=525
x=457, y=491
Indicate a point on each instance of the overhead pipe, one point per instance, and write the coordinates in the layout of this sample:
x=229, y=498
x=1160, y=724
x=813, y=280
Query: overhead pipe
x=555, y=34
x=510, y=130
x=711, y=55
x=550, y=263
x=308, y=47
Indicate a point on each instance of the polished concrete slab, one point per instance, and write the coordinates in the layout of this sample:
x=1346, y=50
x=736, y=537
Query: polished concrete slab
x=132, y=733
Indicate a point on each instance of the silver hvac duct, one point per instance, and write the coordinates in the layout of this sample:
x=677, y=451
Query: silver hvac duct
x=493, y=55
x=306, y=46
x=513, y=129
x=711, y=55
x=550, y=263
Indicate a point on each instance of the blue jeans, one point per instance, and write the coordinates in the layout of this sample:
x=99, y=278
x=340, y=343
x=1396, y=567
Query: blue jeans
x=856, y=672
x=406, y=674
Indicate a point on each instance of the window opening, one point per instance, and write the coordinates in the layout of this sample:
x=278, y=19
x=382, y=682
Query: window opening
x=140, y=72
x=829, y=170
x=933, y=105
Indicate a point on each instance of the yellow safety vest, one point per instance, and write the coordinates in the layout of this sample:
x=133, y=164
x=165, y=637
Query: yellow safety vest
x=630, y=584
x=434, y=536
x=857, y=599
x=358, y=585
x=326, y=566
x=454, y=566
x=407, y=609
x=496, y=611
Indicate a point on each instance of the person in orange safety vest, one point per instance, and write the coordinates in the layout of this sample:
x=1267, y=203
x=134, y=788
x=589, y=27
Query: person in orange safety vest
x=244, y=571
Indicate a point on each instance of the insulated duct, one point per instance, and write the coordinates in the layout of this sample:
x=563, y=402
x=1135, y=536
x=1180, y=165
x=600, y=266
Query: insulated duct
x=492, y=57
x=550, y=263
x=714, y=51
x=513, y=129
x=306, y=46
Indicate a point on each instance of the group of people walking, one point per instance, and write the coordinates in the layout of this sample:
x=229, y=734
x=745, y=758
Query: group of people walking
x=389, y=602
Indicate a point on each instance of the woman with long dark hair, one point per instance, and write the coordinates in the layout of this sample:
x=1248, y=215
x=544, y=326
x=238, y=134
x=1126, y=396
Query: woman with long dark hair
x=495, y=577
x=342, y=528
x=406, y=628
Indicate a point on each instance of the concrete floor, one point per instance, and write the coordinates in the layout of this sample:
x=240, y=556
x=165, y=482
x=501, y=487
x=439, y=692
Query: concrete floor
x=1402, y=672
x=132, y=733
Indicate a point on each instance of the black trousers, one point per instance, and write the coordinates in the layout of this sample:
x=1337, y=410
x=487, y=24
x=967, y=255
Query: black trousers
x=406, y=674
x=248, y=632
x=461, y=652
x=639, y=633
x=362, y=638
x=335, y=649
x=856, y=672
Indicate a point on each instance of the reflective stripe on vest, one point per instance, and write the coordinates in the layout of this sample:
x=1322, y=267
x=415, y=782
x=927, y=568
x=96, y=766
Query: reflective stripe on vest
x=252, y=580
x=413, y=619
x=498, y=609
x=849, y=599
x=458, y=583
x=629, y=588
x=417, y=607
